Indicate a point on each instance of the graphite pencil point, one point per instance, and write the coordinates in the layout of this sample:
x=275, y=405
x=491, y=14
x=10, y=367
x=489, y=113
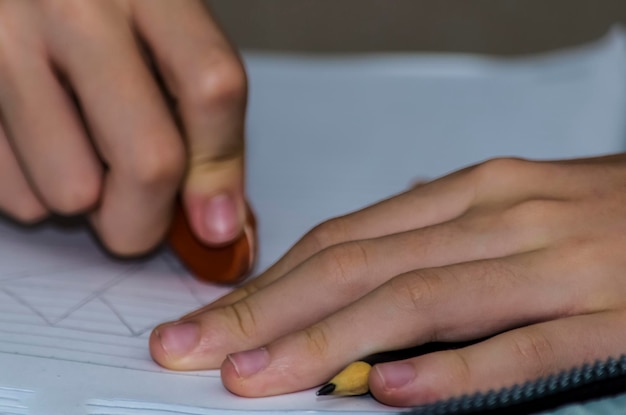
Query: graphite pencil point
x=327, y=389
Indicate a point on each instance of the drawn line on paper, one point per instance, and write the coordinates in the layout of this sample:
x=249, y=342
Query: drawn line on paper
x=156, y=368
x=118, y=315
x=119, y=407
x=129, y=407
x=95, y=353
x=97, y=293
x=112, y=342
x=185, y=282
x=18, y=275
x=178, y=269
x=27, y=305
x=96, y=321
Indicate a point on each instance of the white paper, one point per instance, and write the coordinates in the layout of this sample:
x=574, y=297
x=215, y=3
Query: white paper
x=325, y=136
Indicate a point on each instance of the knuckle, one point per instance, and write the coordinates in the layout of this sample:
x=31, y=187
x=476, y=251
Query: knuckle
x=77, y=195
x=241, y=317
x=341, y=262
x=158, y=166
x=317, y=339
x=534, y=352
x=501, y=165
x=415, y=291
x=218, y=85
x=498, y=172
x=326, y=234
x=250, y=288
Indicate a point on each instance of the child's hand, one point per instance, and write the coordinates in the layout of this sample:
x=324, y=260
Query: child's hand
x=88, y=127
x=532, y=250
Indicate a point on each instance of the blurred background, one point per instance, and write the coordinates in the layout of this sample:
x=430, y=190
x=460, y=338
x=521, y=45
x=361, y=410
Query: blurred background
x=502, y=27
x=336, y=122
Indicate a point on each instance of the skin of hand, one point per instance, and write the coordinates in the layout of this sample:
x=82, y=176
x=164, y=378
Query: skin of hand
x=108, y=108
x=528, y=254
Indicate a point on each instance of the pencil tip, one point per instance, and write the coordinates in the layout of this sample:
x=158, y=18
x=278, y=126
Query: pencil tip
x=327, y=389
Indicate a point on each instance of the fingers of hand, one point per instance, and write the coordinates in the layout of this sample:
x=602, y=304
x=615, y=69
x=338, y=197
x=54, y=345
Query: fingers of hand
x=128, y=119
x=94, y=48
x=459, y=198
x=207, y=80
x=339, y=274
x=508, y=258
x=477, y=235
x=344, y=272
x=402, y=213
x=421, y=303
x=447, y=304
x=41, y=121
x=131, y=126
x=16, y=198
x=510, y=358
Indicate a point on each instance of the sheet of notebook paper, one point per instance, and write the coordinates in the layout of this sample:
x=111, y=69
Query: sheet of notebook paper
x=326, y=135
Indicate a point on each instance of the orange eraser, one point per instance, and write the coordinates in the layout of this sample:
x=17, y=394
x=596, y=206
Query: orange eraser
x=227, y=264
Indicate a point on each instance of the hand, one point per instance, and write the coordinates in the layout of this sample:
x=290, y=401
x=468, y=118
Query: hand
x=529, y=252
x=108, y=106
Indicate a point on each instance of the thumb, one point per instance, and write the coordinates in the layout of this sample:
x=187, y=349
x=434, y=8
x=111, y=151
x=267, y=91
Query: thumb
x=213, y=195
x=207, y=81
x=213, y=191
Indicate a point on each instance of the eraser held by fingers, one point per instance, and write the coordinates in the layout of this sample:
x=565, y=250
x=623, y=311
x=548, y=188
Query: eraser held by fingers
x=227, y=264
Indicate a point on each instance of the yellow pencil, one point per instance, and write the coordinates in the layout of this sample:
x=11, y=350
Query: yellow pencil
x=354, y=379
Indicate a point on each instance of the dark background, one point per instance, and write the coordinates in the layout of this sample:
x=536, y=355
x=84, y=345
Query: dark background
x=502, y=27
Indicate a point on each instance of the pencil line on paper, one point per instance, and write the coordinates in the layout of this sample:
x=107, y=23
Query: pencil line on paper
x=51, y=347
x=19, y=275
x=117, y=313
x=156, y=368
x=114, y=407
x=88, y=340
x=26, y=304
x=180, y=272
x=95, y=294
x=193, y=293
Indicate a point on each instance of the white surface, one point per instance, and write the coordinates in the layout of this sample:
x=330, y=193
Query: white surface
x=326, y=135
x=353, y=130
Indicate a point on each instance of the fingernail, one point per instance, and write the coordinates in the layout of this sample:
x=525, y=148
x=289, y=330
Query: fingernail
x=178, y=339
x=250, y=362
x=221, y=219
x=395, y=375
